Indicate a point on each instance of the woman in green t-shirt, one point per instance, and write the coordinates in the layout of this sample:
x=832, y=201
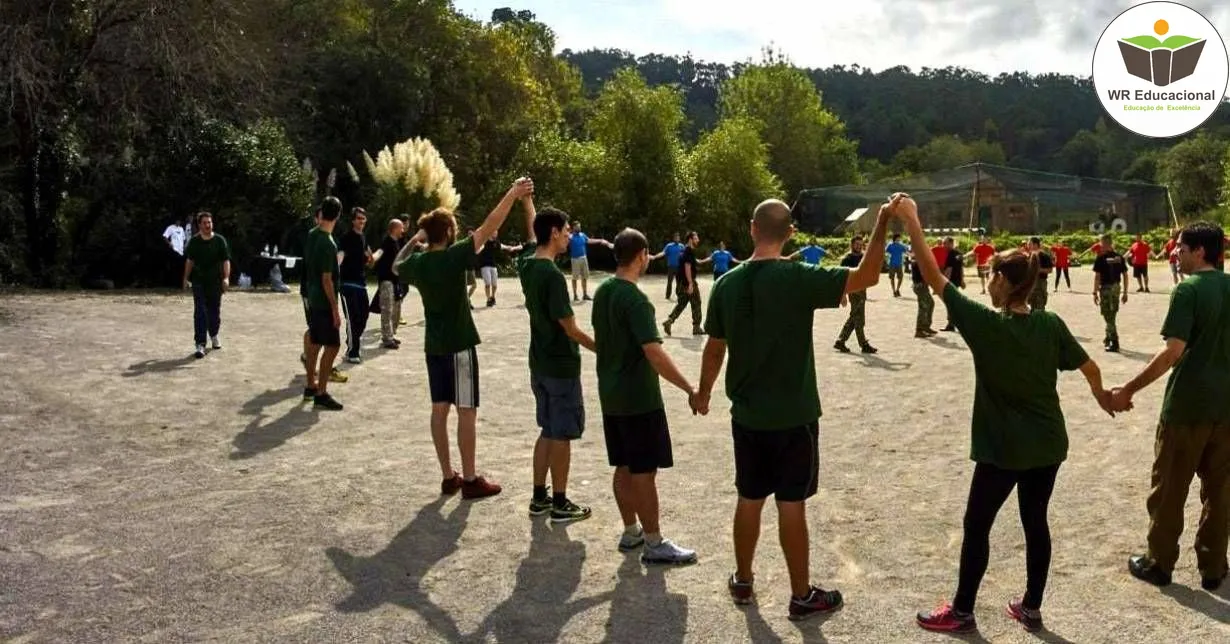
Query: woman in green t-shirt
x=1018, y=433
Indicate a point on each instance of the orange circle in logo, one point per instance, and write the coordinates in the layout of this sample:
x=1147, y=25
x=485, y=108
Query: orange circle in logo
x=1161, y=27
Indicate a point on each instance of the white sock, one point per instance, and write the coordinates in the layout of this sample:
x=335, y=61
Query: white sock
x=653, y=540
x=633, y=530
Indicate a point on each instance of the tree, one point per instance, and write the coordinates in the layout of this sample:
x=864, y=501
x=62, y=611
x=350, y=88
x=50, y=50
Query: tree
x=581, y=178
x=1081, y=155
x=730, y=171
x=1194, y=180
x=639, y=128
x=808, y=147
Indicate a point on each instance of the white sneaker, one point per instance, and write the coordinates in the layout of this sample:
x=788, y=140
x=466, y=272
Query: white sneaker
x=667, y=553
x=217, y=344
x=200, y=351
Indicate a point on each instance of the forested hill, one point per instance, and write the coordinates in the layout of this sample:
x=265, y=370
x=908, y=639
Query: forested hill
x=1037, y=120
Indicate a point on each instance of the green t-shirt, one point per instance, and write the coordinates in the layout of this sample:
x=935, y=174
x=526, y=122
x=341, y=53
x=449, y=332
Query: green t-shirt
x=552, y=352
x=623, y=322
x=764, y=311
x=440, y=277
x=1017, y=422
x=1198, y=391
x=207, y=257
x=319, y=259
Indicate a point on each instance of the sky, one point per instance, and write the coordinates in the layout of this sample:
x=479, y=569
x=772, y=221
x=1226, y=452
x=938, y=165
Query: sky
x=989, y=36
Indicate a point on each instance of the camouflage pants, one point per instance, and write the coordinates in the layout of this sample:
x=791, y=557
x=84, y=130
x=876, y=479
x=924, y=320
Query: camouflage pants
x=1109, y=305
x=1038, y=297
x=926, y=306
x=854, y=323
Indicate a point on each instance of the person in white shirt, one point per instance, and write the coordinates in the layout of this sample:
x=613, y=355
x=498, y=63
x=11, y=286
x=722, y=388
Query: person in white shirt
x=176, y=236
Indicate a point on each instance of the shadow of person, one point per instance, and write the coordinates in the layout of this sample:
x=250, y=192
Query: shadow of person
x=158, y=366
x=259, y=436
x=1213, y=605
x=876, y=362
x=757, y=629
x=1135, y=355
x=642, y=610
x=945, y=343
x=540, y=604
x=395, y=574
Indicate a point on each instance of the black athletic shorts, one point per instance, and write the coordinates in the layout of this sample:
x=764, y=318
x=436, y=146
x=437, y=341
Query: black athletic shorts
x=783, y=463
x=640, y=442
x=453, y=378
x=321, y=331
x=1140, y=271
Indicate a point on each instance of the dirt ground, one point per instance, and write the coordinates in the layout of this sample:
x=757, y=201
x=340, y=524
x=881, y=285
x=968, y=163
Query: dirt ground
x=147, y=496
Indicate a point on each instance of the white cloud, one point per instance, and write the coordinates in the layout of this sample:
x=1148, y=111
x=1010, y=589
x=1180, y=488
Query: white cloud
x=990, y=36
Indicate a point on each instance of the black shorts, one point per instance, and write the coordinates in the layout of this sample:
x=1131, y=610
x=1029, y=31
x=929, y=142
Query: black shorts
x=321, y=331
x=640, y=442
x=782, y=463
x=560, y=406
x=453, y=378
x=1140, y=271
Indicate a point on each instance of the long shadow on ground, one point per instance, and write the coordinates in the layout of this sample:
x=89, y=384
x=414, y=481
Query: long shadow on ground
x=158, y=366
x=395, y=575
x=541, y=605
x=642, y=610
x=260, y=436
x=1214, y=605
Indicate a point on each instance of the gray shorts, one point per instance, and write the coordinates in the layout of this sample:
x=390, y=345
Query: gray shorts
x=580, y=267
x=561, y=407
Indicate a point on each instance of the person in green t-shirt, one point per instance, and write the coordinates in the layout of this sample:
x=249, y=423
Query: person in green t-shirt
x=439, y=275
x=1193, y=434
x=630, y=361
x=320, y=304
x=555, y=361
x=207, y=266
x=1019, y=438
x=762, y=311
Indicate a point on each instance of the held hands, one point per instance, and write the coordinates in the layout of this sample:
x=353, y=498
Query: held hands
x=1120, y=399
x=1124, y=297
x=522, y=187
x=1104, y=401
x=699, y=402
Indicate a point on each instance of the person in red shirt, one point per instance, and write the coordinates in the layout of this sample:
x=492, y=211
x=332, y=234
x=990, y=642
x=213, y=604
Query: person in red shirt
x=1063, y=261
x=1170, y=252
x=982, y=254
x=1140, y=251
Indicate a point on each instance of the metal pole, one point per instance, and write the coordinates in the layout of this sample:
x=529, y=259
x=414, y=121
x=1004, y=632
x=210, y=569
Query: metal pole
x=1170, y=203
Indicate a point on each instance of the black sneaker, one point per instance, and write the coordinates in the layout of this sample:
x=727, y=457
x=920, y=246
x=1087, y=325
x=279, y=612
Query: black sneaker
x=1029, y=618
x=325, y=401
x=1212, y=583
x=841, y=346
x=309, y=394
x=1146, y=570
x=666, y=326
x=698, y=331
x=867, y=348
x=817, y=601
x=539, y=507
x=569, y=512
x=490, y=302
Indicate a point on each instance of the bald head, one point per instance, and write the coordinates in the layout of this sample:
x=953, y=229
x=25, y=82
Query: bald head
x=771, y=221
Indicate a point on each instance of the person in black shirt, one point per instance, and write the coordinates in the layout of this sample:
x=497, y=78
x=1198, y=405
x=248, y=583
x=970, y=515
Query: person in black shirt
x=858, y=305
x=355, y=258
x=1110, y=289
x=926, y=303
x=954, y=270
x=687, y=287
x=488, y=266
x=390, y=304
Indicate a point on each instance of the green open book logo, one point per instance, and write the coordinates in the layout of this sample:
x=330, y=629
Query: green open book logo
x=1161, y=62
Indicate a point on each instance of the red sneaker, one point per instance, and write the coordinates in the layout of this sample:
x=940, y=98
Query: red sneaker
x=1029, y=618
x=946, y=619
x=479, y=488
x=451, y=486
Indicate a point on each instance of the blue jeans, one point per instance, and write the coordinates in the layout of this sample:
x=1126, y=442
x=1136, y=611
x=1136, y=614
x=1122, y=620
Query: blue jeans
x=206, y=313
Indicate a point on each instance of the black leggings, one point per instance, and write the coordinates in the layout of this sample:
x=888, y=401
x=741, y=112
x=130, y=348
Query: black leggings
x=987, y=493
x=1063, y=270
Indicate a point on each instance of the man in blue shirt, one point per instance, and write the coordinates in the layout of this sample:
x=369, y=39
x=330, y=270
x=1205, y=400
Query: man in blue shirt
x=721, y=258
x=811, y=254
x=896, y=263
x=672, y=252
x=578, y=254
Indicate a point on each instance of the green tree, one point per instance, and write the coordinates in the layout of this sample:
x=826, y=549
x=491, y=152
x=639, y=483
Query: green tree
x=1194, y=180
x=639, y=129
x=730, y=171
x=579, y=177
x=808, y=147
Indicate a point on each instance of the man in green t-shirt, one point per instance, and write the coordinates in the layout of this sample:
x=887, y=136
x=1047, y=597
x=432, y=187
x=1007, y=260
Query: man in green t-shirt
x=1193, y=435
x=630, y=360
x=208, y=266
x=324, y=318
x=555, y=361
x=439, y=275
x=762, y=311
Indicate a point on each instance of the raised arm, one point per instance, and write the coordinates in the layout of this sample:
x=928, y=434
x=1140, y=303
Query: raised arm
x=530, y=213
x=410, y=247
x=868, y=272
x=907, y=211
x=491, y=225
x=603, y=242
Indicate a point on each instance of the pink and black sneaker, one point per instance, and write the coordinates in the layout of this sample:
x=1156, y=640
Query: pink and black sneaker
x=947, y=619
x=818, y=601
